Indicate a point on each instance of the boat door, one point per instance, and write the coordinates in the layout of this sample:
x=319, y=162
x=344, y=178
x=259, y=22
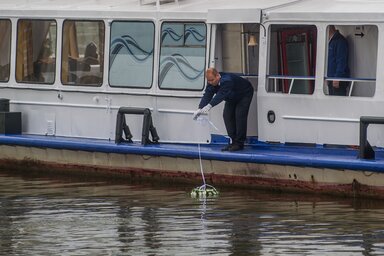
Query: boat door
x=296, y=49
x=235, y=49
x=180, y=81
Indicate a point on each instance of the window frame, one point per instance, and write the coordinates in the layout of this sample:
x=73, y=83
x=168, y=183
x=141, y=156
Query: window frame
x=351, y=79
x=153, y=54
x=291, y=78
x=205, y=53
x=16, y=55
x=101, y=63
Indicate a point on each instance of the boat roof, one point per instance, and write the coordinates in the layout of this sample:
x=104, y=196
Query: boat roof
x=328, y=11
x=180, y=5
x=214, y=11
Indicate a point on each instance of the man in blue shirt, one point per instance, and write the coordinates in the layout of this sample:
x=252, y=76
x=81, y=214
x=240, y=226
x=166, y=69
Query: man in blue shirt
x=337, y=62
x=237, y=93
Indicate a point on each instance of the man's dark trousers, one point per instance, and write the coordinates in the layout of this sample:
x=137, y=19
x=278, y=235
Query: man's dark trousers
x=235, y=119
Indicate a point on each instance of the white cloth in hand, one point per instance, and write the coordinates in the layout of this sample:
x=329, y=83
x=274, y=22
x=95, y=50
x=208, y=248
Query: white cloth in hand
x=196, y=114
x=206, y=109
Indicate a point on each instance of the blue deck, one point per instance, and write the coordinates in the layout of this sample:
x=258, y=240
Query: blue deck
x=256, y=152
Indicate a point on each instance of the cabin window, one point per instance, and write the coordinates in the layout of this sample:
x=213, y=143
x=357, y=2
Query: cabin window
x=182, y=57
x=351, y=60
x=5, y=48
x=292, y=59
x=131, y=54
x=36, y=51
x=82, y=53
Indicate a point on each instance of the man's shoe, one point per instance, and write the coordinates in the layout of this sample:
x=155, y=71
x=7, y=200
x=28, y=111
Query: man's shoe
x=236, y=147
x=227, y=148
x=126, y=141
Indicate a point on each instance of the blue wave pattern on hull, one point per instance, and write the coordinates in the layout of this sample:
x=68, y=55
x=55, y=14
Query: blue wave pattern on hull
x=257, y=152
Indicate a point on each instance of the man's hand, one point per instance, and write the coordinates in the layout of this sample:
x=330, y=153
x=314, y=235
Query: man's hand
x=206, y=109
x=196, y=114
x=336, y=84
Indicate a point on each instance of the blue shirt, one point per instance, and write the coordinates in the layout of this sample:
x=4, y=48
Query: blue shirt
x=338, y=56
x=230, y=88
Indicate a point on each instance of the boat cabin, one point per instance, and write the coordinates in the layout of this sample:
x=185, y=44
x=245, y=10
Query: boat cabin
x=294, y=76
x=68, y=66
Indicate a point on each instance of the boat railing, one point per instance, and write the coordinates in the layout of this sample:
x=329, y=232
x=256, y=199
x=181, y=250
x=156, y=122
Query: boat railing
x=365, y=149
x=249, y=76
x=292, y=79
x=157, y=2
x=351, y=80
x=275, y=78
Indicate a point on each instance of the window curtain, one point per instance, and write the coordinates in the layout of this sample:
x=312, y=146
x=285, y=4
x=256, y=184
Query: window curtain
x=5, y=40
x=101, y=45
x=24, y=58
x=5, y=49
x=70, y=48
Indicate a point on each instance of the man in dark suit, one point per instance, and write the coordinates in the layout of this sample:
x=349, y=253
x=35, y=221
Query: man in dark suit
x=237, y=93
x=337, y=62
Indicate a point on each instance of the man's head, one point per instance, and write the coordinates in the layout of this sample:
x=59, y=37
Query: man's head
x=213, y=76
x=91, y=50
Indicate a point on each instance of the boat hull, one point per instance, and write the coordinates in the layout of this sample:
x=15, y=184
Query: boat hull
x=219, y=173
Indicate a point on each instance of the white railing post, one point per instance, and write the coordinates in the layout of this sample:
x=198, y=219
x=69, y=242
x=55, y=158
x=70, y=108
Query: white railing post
x=291, y=85
x=275, y=84
x=351, y=88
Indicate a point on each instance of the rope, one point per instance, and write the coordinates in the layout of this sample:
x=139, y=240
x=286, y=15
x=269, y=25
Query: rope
x=201, y=165
x=205, y=189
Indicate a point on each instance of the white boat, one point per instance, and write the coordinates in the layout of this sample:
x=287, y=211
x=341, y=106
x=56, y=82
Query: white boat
x=68, y=67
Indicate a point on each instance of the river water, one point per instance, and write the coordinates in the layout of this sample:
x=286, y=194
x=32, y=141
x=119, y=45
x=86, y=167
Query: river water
x=46, y=215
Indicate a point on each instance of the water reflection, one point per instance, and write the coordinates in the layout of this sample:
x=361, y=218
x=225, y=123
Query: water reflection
x=60, y=216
